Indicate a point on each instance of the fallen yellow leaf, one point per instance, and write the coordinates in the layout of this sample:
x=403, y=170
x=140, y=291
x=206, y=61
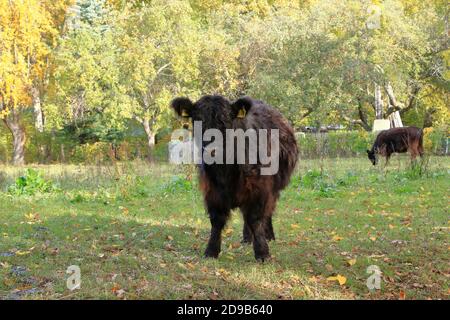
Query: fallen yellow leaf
x=339, y=278
x=22, y=253
x=337, y=238
x=351, y=261
x=190, y=265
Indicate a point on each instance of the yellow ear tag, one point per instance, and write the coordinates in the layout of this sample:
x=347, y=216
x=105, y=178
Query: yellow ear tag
x=184, y=113
x=241, y=114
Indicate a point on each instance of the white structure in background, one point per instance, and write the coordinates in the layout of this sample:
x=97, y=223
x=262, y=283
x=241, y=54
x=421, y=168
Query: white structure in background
x=381, y=124
x=393, y=121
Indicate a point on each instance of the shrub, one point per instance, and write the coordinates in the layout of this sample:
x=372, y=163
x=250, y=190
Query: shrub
x=91, y=152
x=334, y=144
x=177, y=184
x=317, y=181
x=31, y=183
x=435, y=140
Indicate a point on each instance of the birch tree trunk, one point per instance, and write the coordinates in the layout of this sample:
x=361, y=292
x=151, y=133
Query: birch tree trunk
x=146, y=123
x=13, y=123
x=378, y=102
x=392, y=100
x=37, y=107
x=149, y=132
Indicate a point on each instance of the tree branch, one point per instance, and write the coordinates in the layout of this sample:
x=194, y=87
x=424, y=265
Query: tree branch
x=307, y=113
x=362, y=121
x=411, y=100
x=394, y=105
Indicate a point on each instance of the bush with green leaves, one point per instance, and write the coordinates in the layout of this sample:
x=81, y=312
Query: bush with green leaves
x=177, y=184
x=30, y=183
x=335, y=144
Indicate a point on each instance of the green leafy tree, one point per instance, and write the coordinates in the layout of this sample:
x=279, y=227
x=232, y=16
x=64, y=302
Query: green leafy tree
x=158, y=49
x=87, y=94
x=329, y=69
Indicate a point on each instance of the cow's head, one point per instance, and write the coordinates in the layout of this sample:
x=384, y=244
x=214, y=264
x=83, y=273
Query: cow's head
x=213, y=111
x=372, y=157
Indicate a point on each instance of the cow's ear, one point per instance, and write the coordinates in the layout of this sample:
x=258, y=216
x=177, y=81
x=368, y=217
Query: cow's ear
x=368, y=151
x=240, y=107
x=182, y=106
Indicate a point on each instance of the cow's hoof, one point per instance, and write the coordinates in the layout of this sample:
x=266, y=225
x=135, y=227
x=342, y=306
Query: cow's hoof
x=246, y=241
x=262, y=258
x=211, y=253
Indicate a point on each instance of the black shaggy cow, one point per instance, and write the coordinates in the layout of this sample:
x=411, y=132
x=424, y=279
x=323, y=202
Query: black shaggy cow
x=227, y=186
x=397, y=140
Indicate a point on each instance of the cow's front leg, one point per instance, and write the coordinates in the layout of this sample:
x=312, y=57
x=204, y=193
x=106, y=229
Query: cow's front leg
x=388, y=157
x=270, y=235
x=255, y=221
x=218, y=220
x=260, y=246
x=247, y=236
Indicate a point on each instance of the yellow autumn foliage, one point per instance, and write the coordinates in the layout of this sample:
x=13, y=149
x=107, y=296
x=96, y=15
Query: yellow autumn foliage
x=28, y=31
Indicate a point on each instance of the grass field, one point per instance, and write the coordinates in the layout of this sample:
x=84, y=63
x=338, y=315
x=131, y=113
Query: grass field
x=138, y=231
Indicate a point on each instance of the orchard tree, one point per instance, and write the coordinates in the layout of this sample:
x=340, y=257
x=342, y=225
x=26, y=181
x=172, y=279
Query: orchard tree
x=87, y=97
x=159, y=51
x=340, y=64
x=28, y=33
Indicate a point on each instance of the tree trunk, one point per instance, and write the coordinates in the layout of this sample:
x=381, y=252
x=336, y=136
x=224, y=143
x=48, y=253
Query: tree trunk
x=378, y=103
x=150, y=135
x=37, y=107
x=394, y=105
x=363, y=116
x=12, y=121
x=63, y=154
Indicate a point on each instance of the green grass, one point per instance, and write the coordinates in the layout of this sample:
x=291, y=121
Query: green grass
x=138, y=231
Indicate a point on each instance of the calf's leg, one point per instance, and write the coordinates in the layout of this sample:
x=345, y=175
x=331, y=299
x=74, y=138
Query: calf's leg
x=247, y=236
x=413, y=151
x=270, y=235
x=218, y=218
x=256, y=221
x=260, y=246
x=421, y=153
x=388, y=157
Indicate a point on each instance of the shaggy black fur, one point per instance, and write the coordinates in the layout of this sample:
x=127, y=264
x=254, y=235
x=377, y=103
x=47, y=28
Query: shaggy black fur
x=229, y=186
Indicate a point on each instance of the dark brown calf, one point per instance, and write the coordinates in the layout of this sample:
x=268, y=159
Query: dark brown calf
x=228, y=186
x=400, y=140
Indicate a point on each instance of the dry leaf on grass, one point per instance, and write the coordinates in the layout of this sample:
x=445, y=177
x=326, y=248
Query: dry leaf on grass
x=339, y=278
x=351, y=262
